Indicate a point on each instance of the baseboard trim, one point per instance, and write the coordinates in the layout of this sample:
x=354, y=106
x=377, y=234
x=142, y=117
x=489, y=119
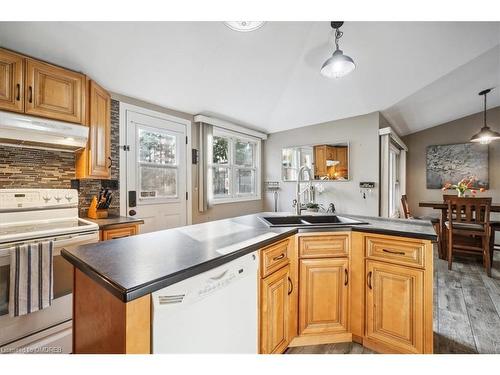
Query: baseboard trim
x=306, y=340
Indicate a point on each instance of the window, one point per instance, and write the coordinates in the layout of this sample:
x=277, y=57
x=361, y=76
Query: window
x=235, y=167
x=157, y=164
x=394, y=190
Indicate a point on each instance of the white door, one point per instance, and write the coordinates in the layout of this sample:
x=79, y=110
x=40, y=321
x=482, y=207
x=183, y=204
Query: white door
x=156, y=171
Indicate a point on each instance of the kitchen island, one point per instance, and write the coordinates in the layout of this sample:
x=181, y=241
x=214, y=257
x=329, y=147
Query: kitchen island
x=113, y=280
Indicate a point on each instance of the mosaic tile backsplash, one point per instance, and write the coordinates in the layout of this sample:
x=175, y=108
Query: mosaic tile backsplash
x=32, y=168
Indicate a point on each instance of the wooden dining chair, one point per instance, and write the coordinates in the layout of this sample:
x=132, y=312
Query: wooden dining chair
x=434, y=220
x=468, y=228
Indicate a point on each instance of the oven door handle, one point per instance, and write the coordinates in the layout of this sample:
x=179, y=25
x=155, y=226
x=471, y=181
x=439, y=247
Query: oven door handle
x=59, y=244
x=75, y=240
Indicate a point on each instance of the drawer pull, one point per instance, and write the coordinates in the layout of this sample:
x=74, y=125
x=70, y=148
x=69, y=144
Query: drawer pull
x=346, y=276
x=18, y=89
x=281, y=256
x=122, y=236
x=370, y=280
x=394, y=252
x=290, y=286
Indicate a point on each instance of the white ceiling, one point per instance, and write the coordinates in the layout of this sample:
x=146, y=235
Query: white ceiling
x=269, y=79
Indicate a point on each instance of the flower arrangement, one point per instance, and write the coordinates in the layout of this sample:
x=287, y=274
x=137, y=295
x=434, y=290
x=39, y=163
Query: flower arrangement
x=463, y=186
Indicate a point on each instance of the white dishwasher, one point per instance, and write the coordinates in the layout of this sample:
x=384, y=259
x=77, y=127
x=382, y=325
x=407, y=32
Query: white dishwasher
x=213, y=312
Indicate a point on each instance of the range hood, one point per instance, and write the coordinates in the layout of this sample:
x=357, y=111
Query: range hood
x=26, y=131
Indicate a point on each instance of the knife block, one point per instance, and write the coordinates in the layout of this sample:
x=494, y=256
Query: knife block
x=94, y=212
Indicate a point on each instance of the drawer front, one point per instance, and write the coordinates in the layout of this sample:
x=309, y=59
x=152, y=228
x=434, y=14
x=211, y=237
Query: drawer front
x=324, y=246
x=274, y=257
x=111, y=234
x=393, y=250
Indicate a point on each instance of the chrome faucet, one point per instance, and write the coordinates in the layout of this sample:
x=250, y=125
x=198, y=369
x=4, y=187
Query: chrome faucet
x=298, y=205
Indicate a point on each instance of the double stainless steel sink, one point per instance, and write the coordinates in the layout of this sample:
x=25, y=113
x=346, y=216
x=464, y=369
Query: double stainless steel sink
x=309, y=221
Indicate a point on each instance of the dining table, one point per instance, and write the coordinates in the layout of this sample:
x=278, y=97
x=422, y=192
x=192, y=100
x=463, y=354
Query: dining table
x=442, y=206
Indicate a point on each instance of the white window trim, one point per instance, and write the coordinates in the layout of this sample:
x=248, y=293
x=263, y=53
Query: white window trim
x=237, y=136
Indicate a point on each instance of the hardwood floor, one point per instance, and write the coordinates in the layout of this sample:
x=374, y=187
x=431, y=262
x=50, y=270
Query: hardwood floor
x=466, y=311
x=340, y=348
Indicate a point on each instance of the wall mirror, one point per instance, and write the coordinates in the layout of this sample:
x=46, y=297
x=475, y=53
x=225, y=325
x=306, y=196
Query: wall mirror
x=327, y=161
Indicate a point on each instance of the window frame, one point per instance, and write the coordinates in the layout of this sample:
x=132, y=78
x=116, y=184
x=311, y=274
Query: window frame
x=233, y=196
x=173, y=166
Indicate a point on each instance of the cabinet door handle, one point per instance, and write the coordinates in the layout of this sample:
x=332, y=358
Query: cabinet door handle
x=30, y=94
x=370, y=280
x=110, y=162
x=18, y=92
x=123, y=236
x=346, y=276
x=290, y=286
x=393, y=252
x=281, y=256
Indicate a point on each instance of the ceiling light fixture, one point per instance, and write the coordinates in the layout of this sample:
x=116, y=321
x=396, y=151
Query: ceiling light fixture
x=485, y=135
x=339, y=65
x=244, y=26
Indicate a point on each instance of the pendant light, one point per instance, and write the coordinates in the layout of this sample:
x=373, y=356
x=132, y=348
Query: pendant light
x=339, y=65
x=485, y=135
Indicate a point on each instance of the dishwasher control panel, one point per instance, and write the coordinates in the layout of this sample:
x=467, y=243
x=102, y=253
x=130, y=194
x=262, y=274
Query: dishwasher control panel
x=207, y=283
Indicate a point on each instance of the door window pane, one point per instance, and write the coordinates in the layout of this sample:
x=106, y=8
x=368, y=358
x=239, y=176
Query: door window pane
x=245, y=181
x=221, y=181
x=157, y=182
x=244, y=153
x=156, y=147
x=220, y=150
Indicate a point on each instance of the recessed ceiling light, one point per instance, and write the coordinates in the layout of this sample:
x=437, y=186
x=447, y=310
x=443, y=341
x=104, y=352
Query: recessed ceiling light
x=244, y=26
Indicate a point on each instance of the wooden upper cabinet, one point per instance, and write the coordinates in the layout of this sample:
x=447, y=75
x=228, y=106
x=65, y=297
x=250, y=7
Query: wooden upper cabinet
x=11, y=81
x=394, y=307
x=319, y=161
x=54, y=92
x=274, y=311
x=341, y=157
x=323, y=296
x=95, y=160
x=100, y=132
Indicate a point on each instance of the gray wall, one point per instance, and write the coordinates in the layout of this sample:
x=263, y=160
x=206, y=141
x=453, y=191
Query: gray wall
x=457, y=131
x=362, y=134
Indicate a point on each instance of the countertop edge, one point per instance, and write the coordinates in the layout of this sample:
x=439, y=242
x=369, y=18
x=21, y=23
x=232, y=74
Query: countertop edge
x=127, y=295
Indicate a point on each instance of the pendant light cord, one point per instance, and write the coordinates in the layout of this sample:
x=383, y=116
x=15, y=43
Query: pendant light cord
x=484, y=115
x=338, y=35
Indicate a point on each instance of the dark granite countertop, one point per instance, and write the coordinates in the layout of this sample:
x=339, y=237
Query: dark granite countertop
x=135, y=266
x=115, y=220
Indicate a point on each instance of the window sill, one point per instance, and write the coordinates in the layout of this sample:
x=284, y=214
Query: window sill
x=216, y=202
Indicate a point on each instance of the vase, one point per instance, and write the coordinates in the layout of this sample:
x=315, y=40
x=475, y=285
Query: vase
x=461, y=194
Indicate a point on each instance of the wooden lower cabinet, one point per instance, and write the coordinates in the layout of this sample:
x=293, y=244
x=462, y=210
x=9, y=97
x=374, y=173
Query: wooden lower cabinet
x=120, y=232
x=274, y=311
x=395, y=307
x=323, y=296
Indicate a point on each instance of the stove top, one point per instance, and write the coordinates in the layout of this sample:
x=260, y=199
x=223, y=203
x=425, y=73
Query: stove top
x=40, y=213
x=44, y=228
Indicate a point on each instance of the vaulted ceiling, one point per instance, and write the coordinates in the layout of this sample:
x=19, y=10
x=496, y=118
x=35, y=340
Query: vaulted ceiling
x=419, y=74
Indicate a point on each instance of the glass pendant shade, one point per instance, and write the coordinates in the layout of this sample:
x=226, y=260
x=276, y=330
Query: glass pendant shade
x=485, y=136
x=337, y=66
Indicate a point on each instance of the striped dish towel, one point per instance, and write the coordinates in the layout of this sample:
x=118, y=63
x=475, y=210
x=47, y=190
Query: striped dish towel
x=31, y=277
